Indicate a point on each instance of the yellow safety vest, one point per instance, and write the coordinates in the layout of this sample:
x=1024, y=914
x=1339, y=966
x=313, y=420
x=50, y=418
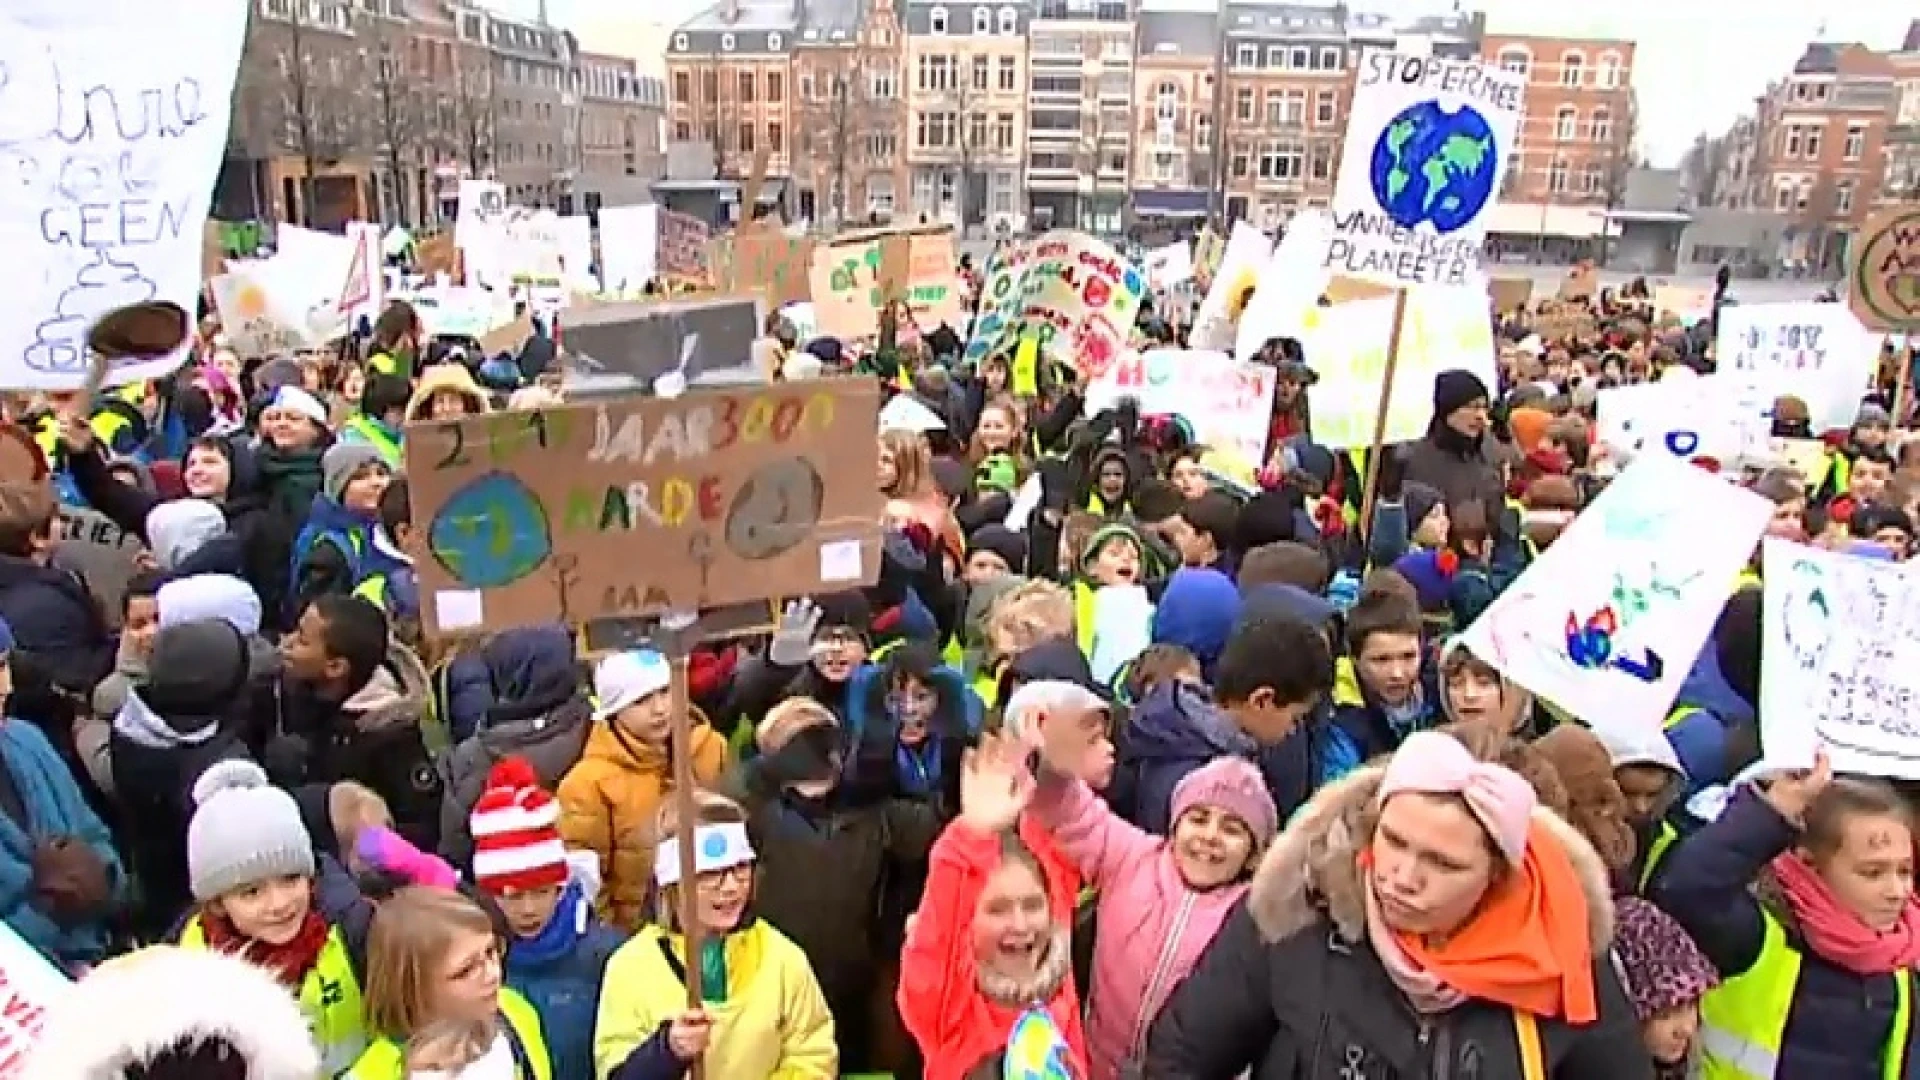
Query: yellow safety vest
x=329, y=996
x=386, y=1059
x=387, y=363
x=1663, y=842
x=373, y=591
x=1748, y=579
x=373, y=435
x=1744, y=1021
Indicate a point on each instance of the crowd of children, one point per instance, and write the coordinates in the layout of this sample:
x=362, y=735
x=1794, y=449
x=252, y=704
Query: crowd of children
x=1133, y=763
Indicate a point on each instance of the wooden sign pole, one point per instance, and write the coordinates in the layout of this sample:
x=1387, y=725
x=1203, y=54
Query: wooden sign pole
x=673, y=640
x=1376, y=451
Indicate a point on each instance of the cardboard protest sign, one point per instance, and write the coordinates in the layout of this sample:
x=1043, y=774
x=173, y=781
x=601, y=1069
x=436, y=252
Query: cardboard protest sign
x=645, y=341
x=29, y=988
x=1606, y=623
x=1427, y=144
x=640, y=505
x=1840, y=661
x=1073, y=293
x=1510, y=294
x=683, y=244
x=436, y=255
x=1580, y=283
x=933, y=279
x=853, y=278
x=1885, y=271
x=763, y=259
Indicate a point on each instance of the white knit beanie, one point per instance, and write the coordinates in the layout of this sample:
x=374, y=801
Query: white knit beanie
x=243, y=831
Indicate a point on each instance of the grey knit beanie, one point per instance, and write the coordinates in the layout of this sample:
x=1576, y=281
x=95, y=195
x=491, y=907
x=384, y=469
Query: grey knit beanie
x=243, y=831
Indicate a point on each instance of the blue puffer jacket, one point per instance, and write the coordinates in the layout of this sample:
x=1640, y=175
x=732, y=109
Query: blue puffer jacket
x=559, y=972
x=1171, y=732
x=1712, y=709
x=55, y=808
x=878, y=767
x=520, y=671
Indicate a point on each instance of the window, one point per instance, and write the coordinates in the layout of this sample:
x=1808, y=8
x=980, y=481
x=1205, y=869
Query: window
x=776, y=138
x=1008, y=80
x=1113, y=161
x=1246, y=56
x=1518, y=61
x=726, y=42
x=1843, y=197
x=1276, y=105
x=1813, y=143
x=1166, y=102
x=682, y=87
x=1856, y=143
x=976, y=131
x=1243, y=103
x=1238, y=165
x=682, y=131
x=935, y=131
x=1793, y=140
x=1163, y=168
x=809, y=90
x=1606, y=75
x=1294, y=112
x=981, y=70
x=982, y=21
x=1322, y=168
x=880, y=194
x=746, y=87
x=1783, y=197
x=709, y=86
x=1202, y=132
x=1573, y=68
x=1009, y=22
x=881, y=147
x=1325, y=107
x=937, y=73
x=1276, y=56
x=1557, y=177
x=1281, y=161
x=1329, y=58
x=1592, y=180
x=1602, y=125
x=1565, y=120
x=880, y=80
x=679, y=43
x=937, y=21
x=1299, y=58
x=1003, y=132
x=746, y=143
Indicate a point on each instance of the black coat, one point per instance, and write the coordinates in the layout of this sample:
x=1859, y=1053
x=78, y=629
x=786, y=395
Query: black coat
x=154, y=789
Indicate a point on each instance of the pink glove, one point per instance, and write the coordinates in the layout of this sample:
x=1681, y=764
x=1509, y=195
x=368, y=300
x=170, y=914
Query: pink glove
x=384, y=849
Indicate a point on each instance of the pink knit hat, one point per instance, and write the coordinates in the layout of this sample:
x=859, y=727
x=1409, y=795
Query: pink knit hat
x=1434, y=763
x=1234, y=785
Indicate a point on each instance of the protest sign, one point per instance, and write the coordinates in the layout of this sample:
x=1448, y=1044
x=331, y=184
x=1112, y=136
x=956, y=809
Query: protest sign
x=1688, y=303
x=1510, y=294
x=573, y=235
x=334, y=276
x=763, y=258
x=645, y=341
x=460, y=311
x=1885, y=271
x=1580, y=283
x=683, y=244
x=856, y=275
x=270, y=306
x=1840, y=661
x=88, y=543
x=1227, y=403
x=806, y=325
x=1073, y=292
x=1427, y=145
x=436, y=255
x=482, y=203
x=1818, y=353
x=1445, y=327
x=1606, y=623
x=1248, y=250
x=1287, y=287
x=114, y=123
x=1169, y=266
x=537, y=516
x=1688, y=419
x=629, y=246
x=933, y=280
x=29, y=989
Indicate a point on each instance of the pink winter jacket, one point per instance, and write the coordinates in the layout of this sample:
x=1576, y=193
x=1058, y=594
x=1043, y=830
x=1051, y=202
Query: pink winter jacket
x=1152, y=928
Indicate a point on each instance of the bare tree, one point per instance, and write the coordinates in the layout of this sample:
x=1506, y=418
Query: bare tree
x=315, y=117
x=970, y=140
x=1622, y=152
x=1702, y=167
x=398, y=107
x=835, y=119
x=476, y=113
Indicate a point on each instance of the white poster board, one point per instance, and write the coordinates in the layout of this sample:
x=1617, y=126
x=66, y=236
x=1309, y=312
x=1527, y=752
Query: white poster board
x=1169, y=266
x=1607, y=622
x=629, y=246
x=30, y=987
x=1818, y=353
x=1227, y=403
x=114, y=123
x=1427, y=144
x=1840, y=663
x=1248, y=249
x=1445, y=327
x=1688, y=419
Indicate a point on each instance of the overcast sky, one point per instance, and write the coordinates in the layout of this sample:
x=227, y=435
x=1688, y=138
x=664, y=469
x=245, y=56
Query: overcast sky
x=1699, y=65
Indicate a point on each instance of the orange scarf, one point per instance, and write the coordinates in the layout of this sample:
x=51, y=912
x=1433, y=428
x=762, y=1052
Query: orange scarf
x=1527, y=947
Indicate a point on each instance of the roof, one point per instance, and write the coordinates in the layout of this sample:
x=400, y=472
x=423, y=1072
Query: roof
x=1819, y=58
x=1177, y=33
x=753, y=15
x=1271, y=16
x=832, y=20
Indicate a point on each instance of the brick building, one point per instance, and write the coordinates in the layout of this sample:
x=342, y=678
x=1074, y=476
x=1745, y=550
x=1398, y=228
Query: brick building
x=850, y=112
x=1175, y=72
x=622, y=140
x=728, y=78
x=966, y=87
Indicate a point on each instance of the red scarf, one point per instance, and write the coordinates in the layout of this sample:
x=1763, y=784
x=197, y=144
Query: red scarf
x=1836, y=933
x=289, y=963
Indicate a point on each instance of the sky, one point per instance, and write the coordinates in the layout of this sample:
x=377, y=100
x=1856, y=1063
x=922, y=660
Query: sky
x=1699, y=64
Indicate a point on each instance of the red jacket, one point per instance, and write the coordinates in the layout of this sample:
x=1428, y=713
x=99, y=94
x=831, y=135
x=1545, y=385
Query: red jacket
x=940, y=1002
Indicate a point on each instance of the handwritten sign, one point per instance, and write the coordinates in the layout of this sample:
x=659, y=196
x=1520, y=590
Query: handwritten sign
x=1075, y=294
x=1841, y=642
x=1226, y=402
x=1169, y=266
x=1446, y=327
x=683, y=244
x=1885, y=271
x=112, y=147
x=629, y=246
x=30, y=987
x=1606, y=623
x=765, y=259
x=1246, y=252
x=1819, y=353
x=482, y=204
x=729, y=497
x=1689, y=419
x=267, y=308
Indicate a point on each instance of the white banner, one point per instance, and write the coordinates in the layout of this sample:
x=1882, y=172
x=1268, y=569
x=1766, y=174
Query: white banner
x=1686, y=418
x=629, y=246
x=113, y=116
x=1225, y=402
x=1607, y=622
x=1818, y=353
x=1841, y=662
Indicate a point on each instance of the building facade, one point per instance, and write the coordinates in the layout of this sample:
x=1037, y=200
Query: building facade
x=1080, y=113
x=1289, y=74
x=622, y=147
x=1899, y=180
x=729, y=87
x=965, y=80
x=850, y=112
x=1576, y=143
x=1176, y=69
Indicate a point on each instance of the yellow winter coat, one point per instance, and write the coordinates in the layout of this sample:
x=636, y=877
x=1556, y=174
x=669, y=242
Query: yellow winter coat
x=774, y=1022
x=607, y=805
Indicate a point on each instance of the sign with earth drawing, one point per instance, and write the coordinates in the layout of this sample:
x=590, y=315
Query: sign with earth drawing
x=1426, y=147
x=1884, y=283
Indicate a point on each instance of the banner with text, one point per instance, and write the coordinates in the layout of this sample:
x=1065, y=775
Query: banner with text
x=1818, y=353
x=1225, y=402
x=1074, y=293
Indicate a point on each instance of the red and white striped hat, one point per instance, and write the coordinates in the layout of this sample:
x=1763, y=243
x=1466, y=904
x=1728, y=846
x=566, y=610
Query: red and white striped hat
x=515, y=832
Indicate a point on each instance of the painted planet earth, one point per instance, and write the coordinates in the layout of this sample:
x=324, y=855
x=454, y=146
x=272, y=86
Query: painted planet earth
x=1435, y=166
x=775, y=509
x=490, y=533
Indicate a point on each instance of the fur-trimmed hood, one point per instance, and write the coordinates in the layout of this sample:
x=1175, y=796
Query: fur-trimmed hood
x=136, y=1009
x=1313, y=867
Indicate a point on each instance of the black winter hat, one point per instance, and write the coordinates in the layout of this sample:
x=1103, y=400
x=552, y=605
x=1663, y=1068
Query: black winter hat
x=198, y=669
x=1002, y=541
x=1456, y=389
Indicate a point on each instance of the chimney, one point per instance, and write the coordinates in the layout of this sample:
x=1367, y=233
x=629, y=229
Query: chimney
x=729, y=11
